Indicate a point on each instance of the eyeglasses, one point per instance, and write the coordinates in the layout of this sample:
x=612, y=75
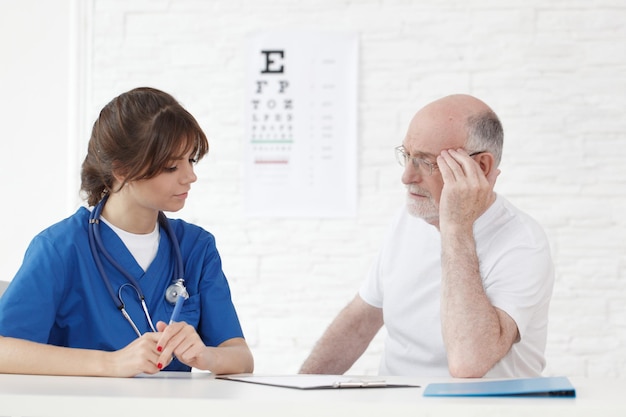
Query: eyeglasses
x=418, y=163
x=421, y=164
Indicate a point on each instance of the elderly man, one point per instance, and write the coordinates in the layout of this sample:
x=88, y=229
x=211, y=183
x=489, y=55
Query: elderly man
x=463, y=280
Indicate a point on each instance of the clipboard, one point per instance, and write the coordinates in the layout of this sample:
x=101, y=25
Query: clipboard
x=527, y=387
x=314, y=381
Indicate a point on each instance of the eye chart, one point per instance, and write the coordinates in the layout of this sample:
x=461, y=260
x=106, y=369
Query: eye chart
x=301, y=118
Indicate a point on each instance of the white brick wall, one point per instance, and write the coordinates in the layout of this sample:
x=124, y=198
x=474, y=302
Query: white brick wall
x=555, y=72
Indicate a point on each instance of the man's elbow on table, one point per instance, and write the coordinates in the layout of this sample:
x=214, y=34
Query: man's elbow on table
x=466, y=369
x=473, y=363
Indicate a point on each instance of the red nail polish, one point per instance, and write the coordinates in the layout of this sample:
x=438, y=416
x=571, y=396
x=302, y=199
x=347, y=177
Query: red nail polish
x=159, y=348
x=159, y=365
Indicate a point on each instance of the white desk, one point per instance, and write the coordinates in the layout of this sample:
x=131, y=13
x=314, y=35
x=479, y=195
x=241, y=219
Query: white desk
x=191, y=394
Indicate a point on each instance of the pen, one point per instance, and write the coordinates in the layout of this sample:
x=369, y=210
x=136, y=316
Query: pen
x=177, y=307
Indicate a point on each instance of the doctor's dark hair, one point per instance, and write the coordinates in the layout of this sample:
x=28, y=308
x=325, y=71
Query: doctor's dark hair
x=137, y=135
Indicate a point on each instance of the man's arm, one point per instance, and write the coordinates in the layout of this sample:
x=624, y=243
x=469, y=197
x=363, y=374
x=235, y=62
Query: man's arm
x=476, y=334
x=345, y=340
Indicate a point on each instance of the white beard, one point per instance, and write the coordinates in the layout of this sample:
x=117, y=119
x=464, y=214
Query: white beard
x=424, y=208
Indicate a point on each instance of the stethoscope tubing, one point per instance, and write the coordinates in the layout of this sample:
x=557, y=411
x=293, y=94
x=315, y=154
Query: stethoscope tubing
x=96, y=243
x=178, y=272
x=95, y=231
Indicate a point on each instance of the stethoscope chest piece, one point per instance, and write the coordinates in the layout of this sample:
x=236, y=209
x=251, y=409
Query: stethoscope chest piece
x=173, y=291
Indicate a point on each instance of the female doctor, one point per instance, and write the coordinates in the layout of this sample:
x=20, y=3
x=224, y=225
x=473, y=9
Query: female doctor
x=84, y=300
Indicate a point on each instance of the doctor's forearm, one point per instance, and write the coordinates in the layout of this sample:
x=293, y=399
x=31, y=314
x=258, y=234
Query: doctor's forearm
x=25, y=357
x=231, y=357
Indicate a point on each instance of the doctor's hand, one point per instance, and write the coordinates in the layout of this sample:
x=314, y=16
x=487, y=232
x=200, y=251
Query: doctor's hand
x=468, y=187
x=139, y=356
x=181, y=340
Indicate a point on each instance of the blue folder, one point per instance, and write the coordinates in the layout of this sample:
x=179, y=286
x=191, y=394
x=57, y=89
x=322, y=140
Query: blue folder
x=530, y=387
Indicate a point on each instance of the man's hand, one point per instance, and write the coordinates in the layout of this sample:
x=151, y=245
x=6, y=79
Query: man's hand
x=468, y=187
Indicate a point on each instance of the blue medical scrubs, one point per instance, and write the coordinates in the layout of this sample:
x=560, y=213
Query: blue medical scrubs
x=59, y=297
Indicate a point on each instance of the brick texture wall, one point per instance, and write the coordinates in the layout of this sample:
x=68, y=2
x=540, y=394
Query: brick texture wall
x=554, y=70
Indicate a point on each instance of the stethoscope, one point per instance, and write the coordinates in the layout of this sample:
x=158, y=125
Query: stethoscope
x=175, y=292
